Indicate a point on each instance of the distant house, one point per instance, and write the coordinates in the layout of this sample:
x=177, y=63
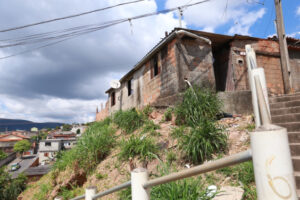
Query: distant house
x=202, y=58
x=48, y=149
x=61, y=135
x=7, y=141
x=76, y=129
x=34, y=129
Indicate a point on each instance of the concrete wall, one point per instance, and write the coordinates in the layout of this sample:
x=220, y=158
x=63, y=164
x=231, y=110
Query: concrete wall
x=55, y=146
x=43, y=157
x=295, y=69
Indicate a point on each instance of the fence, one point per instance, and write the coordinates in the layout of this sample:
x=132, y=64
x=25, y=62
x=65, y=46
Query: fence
x=269, y=152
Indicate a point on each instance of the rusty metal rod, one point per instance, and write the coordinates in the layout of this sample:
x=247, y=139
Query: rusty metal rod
x=207, y=167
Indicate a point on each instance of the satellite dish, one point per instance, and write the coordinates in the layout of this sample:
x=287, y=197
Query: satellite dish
x=115, y=84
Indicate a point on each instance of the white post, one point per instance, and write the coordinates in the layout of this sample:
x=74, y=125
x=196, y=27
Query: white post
x=90, y=193
x=272, y=164
x=139, y=176
x=58, y=198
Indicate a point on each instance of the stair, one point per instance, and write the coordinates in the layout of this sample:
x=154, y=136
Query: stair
x=285, y=112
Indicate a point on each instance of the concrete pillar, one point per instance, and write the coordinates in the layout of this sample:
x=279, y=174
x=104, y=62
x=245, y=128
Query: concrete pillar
x=139, y=176
x=90, y=193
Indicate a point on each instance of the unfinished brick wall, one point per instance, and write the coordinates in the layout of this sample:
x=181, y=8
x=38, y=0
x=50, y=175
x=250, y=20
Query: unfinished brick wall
x=295, y=68
x=103, y=113
x=267, y=55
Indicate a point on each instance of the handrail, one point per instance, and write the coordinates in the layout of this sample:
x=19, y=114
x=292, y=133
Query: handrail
x=79, y=197
x=112, y=190
x=210, y=166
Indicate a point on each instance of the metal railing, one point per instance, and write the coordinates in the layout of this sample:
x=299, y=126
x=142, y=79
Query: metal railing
x=269, y=152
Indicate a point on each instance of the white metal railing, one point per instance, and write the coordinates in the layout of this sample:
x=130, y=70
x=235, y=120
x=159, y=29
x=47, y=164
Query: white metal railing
x=269, y=152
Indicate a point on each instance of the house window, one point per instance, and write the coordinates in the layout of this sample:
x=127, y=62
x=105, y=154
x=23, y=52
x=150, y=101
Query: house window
x=113, y=98
x=129, y=87
x=155, y=68
x=48, y=144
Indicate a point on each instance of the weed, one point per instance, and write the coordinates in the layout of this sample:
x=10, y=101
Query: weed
x=243, y=173
x=128, y=120
x=198, y=105
x=43, y=191
x=91, y=148
x=150, y=127
x=143, y=148
x=101, y=176
x=168, y=114
x=250, y=127
x=147, y=111
x=68, y=194
x=201, y=142
x=177, y=132
x=125, y=194
x=171, y=157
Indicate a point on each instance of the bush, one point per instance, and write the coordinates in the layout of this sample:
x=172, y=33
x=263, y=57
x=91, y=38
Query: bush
x=178, y=131
x=43, y=191
x=22, y=146
x=128, y=120
x=143, y=148
x=197, y=106
x=168, y=114
x=2, y=155
x=91, y=148
x=147, y=111
x=201, y=142
x=11, y=188
x=150, y=127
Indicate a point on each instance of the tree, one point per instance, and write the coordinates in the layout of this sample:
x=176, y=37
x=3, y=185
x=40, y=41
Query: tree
x=78, y=131
x=22, y=146
x=2, y=155
x=67, y=127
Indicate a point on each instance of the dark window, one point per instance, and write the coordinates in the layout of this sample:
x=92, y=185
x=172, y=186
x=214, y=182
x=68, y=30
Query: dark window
x=47, y=143
x=113, y=98
x=129, y=87
x=46, y=154
x=155, y=68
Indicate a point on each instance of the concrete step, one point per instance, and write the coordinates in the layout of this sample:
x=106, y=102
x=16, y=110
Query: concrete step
x=284, y=111
x=284, y=98
x=286, y=104
x=286, y=118
x=297, y=178
x=291, y=126
x=294, y=137
x=295, y=149
x=296, y=163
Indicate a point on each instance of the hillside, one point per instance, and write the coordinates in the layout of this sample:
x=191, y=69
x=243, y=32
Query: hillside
x=18, y=124
x=162, y=141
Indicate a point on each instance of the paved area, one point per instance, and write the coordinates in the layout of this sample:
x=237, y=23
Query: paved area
x=25, y=163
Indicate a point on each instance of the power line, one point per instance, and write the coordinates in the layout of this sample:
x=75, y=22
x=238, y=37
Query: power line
x=80, y=30
x=70, y=16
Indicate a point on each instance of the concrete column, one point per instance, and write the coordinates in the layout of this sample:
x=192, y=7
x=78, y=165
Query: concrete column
x=139, y=176
x=90, y=193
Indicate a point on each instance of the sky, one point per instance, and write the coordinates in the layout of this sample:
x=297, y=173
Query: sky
x=67, y=81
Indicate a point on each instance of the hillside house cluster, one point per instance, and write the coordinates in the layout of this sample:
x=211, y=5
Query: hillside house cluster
x=202, y=58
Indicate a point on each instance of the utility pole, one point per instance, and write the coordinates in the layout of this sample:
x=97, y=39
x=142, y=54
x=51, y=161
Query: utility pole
x=284, y=54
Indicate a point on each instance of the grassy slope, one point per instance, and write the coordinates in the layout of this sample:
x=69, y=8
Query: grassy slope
x=111, y=171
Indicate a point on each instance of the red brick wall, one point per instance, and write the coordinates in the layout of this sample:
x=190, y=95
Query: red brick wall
x=103, y=113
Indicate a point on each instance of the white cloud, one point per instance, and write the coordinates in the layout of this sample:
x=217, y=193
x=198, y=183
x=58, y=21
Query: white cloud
x=298, y=11
x=243, y=25
x=294, y=34
x=66, y=82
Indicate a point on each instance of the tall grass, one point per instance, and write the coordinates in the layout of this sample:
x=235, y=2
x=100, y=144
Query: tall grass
x=198, y=105
x=143, y=148
x=128, y=120
x=91, y=148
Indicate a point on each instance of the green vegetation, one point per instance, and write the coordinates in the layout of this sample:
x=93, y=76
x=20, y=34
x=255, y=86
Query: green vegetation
x=144, y=148
x=171, y=157
x=2, y=155
x=91, y=148
x=22, y=146
x=67, y=127
x=43, y=190
x=198, y=105
x=40, y=136
x=11, y=188
x=67, y=194
x=168, y=114
x=150, y=127
x=201, y=142
x=101, y=176
x=147, y=110
x=128, y=120
x=242, y=173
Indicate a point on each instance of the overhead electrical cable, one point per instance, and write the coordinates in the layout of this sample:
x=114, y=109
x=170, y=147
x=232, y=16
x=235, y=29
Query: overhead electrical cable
x=70, y=16
x=70, y=33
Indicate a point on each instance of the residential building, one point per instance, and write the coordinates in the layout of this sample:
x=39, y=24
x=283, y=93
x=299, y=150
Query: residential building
x=7, y=141
x=48, y=149
x=202, y=58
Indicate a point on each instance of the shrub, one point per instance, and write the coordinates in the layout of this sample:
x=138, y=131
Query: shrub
x=150, y=127
x=143, y=148
x=168, y=114
x=101, y=176
x=91, y=148
x=128, y=120
x=2, y=155
x=147, y=110
x=43, y=191
x=197, y=106
x=201, y=142
x=22, y=146
x=178, y=131
x=243, y=173
x=171, y=156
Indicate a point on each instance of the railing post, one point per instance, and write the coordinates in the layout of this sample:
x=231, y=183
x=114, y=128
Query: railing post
x=90, y=193
x=58, y=198
x=139, y=176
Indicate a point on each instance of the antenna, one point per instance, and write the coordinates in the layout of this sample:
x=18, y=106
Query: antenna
x=115, y=84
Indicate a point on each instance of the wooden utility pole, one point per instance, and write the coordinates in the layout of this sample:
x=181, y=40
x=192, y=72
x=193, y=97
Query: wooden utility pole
x=284, y=54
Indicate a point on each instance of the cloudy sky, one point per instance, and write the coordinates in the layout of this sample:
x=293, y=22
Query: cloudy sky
x=67, y=81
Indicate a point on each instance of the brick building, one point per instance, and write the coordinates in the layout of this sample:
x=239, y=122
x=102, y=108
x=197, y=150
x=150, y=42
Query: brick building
x=208, y=59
